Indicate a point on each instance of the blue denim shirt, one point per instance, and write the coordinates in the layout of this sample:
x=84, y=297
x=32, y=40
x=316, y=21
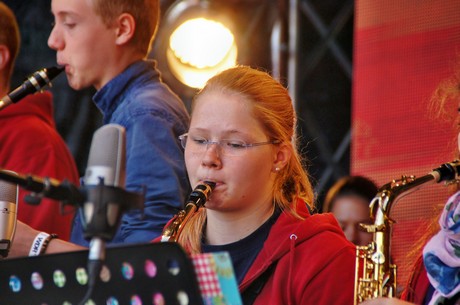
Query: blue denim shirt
x=153, y=117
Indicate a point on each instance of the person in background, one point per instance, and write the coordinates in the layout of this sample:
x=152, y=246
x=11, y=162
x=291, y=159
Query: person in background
x=29, y=141
x=435, y=276
x=104, y=44
x=241, y=138
x=348, y=199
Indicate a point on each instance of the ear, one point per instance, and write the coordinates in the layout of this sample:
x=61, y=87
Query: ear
x=4, y=56
x=282, y=156
x=125, y=28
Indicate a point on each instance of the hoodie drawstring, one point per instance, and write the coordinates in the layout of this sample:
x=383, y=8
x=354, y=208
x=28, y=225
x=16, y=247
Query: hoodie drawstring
x=293, y=239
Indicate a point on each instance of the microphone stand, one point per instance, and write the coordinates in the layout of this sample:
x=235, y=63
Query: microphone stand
x=96, y=258
x=44, y=187
x=102, y=211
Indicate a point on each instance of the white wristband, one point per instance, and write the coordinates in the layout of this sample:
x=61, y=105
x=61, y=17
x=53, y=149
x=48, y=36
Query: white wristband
x=40, y=243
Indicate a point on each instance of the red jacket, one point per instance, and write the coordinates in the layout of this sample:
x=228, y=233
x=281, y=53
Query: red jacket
x=417, y=285
x=30, y=144
x=315, y=264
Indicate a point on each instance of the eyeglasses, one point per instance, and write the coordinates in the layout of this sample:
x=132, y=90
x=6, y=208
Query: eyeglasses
x=197, y=144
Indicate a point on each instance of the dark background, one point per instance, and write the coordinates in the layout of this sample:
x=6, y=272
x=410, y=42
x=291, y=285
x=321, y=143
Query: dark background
x=323, y=74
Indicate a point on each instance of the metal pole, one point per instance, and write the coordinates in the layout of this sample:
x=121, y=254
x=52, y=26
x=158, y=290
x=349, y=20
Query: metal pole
x=292, y=53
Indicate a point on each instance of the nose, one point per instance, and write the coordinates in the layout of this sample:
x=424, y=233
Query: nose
x=211, y=156
x=55, y=42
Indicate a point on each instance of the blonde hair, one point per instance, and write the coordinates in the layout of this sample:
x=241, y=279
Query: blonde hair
x=146, y=13
x=272, y=107
x=9, y=37
x=444, y=105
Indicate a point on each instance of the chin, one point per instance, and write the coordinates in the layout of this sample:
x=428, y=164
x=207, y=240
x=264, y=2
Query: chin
x=73, y=83
x=76, y=85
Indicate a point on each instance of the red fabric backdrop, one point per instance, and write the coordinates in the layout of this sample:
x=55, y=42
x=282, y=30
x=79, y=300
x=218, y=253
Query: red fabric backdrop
x=402, y=50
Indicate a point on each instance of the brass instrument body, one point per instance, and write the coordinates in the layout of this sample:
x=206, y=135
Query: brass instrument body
x=375, y=274
x=197, y=199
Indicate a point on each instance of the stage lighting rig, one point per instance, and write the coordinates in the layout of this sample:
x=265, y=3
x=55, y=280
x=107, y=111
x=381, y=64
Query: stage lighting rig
x=196, y=40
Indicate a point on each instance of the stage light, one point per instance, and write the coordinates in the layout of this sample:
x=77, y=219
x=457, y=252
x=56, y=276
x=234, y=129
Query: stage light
x=198, y=42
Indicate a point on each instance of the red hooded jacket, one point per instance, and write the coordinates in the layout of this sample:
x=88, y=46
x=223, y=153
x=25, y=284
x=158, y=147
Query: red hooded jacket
x=315, y=264
x=417, y=285
x=30, y=144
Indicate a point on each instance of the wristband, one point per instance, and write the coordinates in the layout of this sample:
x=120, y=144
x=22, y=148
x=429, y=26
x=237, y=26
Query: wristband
x=40, y=243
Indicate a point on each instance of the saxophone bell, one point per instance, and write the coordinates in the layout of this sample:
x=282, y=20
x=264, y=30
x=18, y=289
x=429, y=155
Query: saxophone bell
x=375, y=274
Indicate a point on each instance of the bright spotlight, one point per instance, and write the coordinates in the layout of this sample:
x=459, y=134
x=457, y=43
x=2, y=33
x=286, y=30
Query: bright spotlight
x=199, y=43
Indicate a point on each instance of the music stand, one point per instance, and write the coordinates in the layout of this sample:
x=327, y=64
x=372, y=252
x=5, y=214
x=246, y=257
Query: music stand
x=154, y=273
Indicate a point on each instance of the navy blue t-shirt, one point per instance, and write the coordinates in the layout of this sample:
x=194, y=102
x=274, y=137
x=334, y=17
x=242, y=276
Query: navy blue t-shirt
x=244, y=252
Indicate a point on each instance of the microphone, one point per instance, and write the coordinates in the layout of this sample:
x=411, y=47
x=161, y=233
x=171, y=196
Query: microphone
x=105, y=201
x=32, y=84
x=8, y=215
x=107, y=156
x=104, y=179
x=104, y=184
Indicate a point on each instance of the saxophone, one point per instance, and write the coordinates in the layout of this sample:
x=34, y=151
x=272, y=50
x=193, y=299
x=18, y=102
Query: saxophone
x=375, y=274
x=196, y=200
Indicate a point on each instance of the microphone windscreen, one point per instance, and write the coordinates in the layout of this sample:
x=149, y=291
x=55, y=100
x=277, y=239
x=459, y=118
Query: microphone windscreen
x=107, y=157
x=8, y=191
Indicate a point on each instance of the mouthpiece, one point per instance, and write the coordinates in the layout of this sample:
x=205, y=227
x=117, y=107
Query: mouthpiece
x=52, y=72
x=201, y=193
x=448, y=172
x=34, y=83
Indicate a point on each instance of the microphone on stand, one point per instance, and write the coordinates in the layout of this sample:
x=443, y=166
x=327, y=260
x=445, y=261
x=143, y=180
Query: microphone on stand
x=8, y=215
x=32, y=84
x=104, y=175
x=105, y=199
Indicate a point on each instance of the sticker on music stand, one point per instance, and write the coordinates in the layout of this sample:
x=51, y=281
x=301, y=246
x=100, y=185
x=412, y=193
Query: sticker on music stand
x=150, y=268
x=81, y=275
x=158, y=299
x=59, y=278
x=182, y=297
x=37, y=280
x=112, y=301
x=173, y=267
x=15, y=283
x=105, y=274
x=136, y=300
x=127, y=271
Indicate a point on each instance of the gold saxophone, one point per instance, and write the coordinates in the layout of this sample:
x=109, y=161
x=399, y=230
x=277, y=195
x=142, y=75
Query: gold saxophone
x=197, y=199
x=375, y=273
